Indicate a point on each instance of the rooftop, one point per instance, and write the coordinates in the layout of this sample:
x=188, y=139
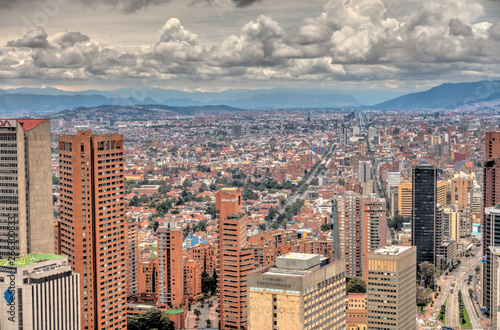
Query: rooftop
x=392, y=250
x=29, y=259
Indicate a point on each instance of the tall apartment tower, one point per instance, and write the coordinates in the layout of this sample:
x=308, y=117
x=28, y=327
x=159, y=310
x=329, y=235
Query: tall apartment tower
x=236, y=259
x=25, y=187
x=133, y=259
x=361, y=229
x=93, y=227
x=46, y=294
x=302, y=291
x=170, y=265
x=491, y=197
x=391, y=288
x=424, y=213
x=343, y=135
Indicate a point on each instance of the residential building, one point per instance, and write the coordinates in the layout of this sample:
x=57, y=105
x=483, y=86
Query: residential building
x=391, y=289
x=192, y=278
x=235, y=259
x=25, y=187
x=356, y=312
x=302, y=291
x=93, y=227
x=364, y=171
x=133, y=258
x=41, y=293
x=170, y=265
x=362, y=228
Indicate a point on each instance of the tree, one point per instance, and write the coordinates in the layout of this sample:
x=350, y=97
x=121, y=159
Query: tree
x=187, y=183
x=197, y=313
x=262, y=226
x=326, y=226
x=428, y=271
x=422, y=297
x=356, y=285
x=55, y=180
x=144, y=199
x=152, y=319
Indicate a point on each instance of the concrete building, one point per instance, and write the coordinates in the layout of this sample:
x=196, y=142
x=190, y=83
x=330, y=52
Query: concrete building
x=303, y=291
x=495, y=289
x=356, y=312
x=405, y=202
x=343, y=138
x=361, y=228
x=391, y=289
x=492, y=145
x=25, y=187
x=170, y=265
x=42, y=293
x=364, y=171
x=236, y=259
x=93, y=226
x=452, y=223
x=133, y=259
x=393, y=180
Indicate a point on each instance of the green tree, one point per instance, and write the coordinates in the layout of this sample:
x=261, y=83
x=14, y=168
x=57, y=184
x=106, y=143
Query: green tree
x=152, y=319
x=356, y=285
x=55, y=180
x=428, y=272
x=187, y=183
x=144, y=199
x=422, y=297
x=197, y=313
x=326, y=226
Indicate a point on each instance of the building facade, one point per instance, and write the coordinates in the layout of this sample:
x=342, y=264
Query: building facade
x=303, y=291
x=93, y=227
x=25, y=187
x=236, y=259
x=170, y=265
x=45, y=294
x=391, y=289
x=133, y=258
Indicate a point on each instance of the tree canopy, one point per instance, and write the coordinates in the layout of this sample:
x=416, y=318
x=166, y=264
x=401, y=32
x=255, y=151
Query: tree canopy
x=356, y=285
x=152, y=319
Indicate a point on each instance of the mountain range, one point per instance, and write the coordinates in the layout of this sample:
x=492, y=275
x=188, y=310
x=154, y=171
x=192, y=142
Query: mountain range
x=26, y=101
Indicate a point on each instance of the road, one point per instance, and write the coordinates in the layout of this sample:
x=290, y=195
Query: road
x=460, y=280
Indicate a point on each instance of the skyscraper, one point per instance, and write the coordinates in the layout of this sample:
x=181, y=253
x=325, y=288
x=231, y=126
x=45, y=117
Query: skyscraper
x=303, y=291
x=170, y=265
x=25, y=187
x=235, y=259
x=424, y=213
x=391, y=288
x=405, y=201
x=93, y=227
x=491, y=196
x=133, y=258
x=361, y=229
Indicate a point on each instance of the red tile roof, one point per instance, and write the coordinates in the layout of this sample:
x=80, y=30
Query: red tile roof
x=29, y=124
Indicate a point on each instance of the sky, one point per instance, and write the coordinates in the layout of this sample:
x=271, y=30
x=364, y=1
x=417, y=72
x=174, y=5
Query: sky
x=214, y=45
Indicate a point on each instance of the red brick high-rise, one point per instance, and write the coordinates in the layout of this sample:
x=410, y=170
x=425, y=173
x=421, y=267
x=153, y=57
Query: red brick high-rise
x=93, y=230
x=170, y=266
x=235, y=259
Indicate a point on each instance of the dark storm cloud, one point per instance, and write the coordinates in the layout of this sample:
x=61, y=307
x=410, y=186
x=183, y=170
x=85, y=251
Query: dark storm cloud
x=33, y=39
x=457, y=28
x=244, y=3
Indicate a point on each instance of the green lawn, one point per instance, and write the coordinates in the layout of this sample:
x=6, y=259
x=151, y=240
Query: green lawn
x=467, y=324
x=443, y=306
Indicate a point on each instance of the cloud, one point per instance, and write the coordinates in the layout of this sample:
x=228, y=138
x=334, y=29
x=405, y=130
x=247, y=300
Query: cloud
x=244, y=3
x=457, y=28
x=33, y=39
x=356, y=40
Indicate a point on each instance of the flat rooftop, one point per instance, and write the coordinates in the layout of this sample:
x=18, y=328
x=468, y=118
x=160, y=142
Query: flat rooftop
x=29, y=259
x=392, y=250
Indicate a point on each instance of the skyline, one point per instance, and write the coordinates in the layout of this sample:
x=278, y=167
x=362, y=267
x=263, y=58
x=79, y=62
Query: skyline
x=218, y=45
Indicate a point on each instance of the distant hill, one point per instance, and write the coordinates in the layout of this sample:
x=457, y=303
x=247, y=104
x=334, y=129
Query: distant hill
x=41, y=100
x=446, y=96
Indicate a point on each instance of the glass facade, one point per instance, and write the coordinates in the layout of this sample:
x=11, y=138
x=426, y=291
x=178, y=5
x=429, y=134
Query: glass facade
x=424, y=213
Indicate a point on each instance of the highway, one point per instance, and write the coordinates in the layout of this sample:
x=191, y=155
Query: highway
x=460, y=279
